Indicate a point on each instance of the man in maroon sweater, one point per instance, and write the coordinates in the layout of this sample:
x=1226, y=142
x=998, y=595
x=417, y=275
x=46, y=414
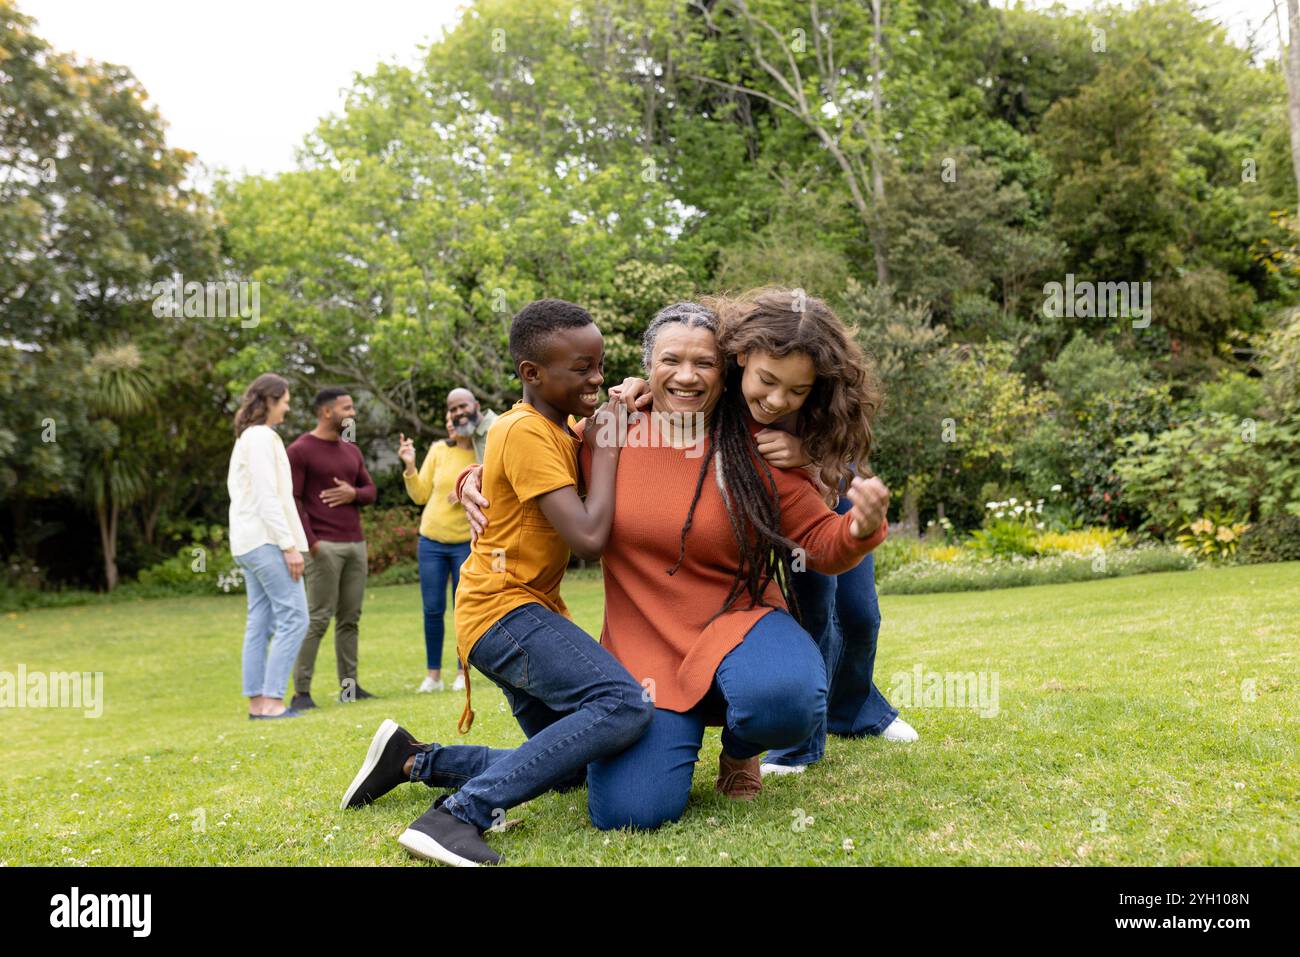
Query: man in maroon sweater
x=330, y=482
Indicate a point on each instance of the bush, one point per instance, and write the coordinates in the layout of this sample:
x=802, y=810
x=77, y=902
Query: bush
x=1216, y=462
x=930, y=576
x=1004, y=539
x=403, y=573
x=897, y=551
x=391, y=535
x=1083, y=541
x=202, y=566
x=1275, y=539
x=1214, y=536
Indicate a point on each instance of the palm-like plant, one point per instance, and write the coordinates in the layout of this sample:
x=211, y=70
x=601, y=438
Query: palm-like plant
x=121, y=390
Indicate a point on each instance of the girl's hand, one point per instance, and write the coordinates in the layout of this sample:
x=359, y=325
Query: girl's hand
x=634, y=393
x=870, y=501
x=781, y=449
x=406, y=451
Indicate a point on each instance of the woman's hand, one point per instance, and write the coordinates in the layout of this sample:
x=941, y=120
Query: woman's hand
x=406, y=451
x=473, y=502
x=633, y=393
x=870, y=501
x=293, y=558
x=781, y=449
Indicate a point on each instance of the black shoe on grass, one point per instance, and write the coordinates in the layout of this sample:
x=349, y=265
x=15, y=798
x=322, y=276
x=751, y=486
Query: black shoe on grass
x=302, y=702
x=438, y=836
x=354, y=692
x=382, y=769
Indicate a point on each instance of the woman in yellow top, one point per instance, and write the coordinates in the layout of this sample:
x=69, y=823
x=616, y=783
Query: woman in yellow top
x=444, y=531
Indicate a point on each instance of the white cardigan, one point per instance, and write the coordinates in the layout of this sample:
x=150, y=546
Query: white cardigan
x=260, y=482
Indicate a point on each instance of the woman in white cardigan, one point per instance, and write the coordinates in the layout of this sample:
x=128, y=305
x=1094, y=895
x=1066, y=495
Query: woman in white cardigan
x=267, y=541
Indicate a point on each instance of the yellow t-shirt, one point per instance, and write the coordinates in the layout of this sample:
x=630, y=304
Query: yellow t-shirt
x=520, y=557
x=441, y=521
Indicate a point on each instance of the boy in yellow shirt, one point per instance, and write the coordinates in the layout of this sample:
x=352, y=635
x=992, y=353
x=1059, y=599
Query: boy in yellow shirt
x=575, y=702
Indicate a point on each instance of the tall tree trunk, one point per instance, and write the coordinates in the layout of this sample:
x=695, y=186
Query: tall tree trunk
x=106, y=512
x=879, y=240
x=1292, y=71
x=911, y=511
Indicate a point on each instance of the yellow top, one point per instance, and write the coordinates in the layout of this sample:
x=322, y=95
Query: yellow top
x=442, y=521
x=520, y=557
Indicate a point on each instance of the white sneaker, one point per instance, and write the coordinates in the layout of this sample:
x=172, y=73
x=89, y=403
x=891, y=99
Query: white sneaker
x=459, y=683
x=779, y=769
x=429, y=685
x=899, y=730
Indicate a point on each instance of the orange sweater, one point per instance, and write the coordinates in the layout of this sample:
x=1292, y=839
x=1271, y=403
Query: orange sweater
x=655, y=623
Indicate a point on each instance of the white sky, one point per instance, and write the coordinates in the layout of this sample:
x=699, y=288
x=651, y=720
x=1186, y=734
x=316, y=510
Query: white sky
x=240, y=82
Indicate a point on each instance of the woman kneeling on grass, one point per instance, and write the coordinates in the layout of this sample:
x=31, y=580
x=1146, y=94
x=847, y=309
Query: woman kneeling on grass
x=789, y=348
x=697, y=610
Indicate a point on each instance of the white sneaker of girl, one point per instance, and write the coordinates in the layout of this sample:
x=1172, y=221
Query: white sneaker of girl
x=899, y=730
x=779, y=769
x=429, y=685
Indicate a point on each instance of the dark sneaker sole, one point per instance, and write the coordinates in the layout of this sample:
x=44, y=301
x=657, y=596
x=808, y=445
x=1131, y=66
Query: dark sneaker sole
x=377, y=744
x=421, y=845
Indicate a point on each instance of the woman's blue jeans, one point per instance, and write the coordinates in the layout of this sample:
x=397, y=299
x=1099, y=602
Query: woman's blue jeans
x=439, y=562
x=773, y=688
x=843, y=614
x=277, y=605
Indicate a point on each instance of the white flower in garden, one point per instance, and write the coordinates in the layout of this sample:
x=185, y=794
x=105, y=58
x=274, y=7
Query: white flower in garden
x=1056, y=488
x=1011, y=501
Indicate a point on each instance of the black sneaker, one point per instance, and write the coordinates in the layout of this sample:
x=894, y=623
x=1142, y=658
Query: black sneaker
x=302, y=702
x=354, y=692
x=382, y=769
x=438, y=836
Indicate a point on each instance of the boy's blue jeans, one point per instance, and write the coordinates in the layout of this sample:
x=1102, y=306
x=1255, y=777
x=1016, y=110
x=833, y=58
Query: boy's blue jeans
x=843, y=615
x=439, y=561
x=572, y=699
x=773, y=687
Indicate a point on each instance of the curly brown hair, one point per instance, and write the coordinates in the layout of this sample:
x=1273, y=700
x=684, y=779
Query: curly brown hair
x=835, y=421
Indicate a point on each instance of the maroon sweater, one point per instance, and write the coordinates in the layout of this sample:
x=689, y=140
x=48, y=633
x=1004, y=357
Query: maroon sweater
x=315, y=464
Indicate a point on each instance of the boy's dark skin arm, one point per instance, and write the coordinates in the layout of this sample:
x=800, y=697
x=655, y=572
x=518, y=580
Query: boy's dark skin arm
x=565, y=383
x=585, y=525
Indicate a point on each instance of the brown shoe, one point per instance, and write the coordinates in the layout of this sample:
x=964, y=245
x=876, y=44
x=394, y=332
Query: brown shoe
x=738, y=778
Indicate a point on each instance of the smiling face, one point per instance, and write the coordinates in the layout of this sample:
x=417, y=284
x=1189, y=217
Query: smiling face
x=463, y=409
x=337, y=413
x=773, y=388
x=277, y=409
x=569, y=377
x=685, y=370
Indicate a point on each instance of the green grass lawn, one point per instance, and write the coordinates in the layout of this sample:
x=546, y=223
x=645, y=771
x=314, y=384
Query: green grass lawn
x=1146, y=720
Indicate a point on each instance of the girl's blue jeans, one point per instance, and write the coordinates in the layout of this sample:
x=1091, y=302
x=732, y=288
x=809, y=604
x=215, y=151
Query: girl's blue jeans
x=842, y=614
